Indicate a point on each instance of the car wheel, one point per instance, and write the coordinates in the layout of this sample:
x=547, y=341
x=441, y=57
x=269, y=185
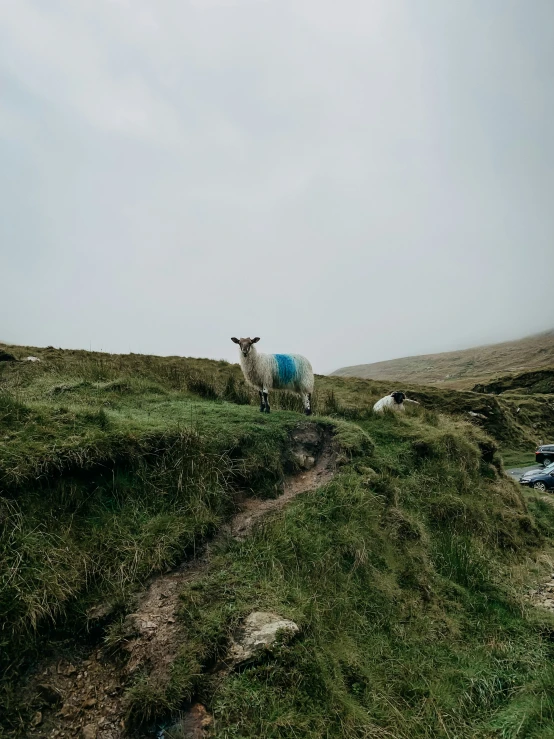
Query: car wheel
x=540, y=486
x=546, y=461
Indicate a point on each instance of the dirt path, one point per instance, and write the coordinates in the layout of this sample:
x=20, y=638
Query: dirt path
x=85, y=698
x=543, y=594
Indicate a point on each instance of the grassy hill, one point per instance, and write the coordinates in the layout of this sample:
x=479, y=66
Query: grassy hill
x=462, y=368
x=405, y=573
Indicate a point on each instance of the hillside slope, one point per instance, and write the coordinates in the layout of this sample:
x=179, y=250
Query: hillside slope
x=403, y=572
x=529, y=383
x=462, y=368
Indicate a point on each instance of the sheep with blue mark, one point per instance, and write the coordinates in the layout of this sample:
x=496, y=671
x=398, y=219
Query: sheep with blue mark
x=267, y=372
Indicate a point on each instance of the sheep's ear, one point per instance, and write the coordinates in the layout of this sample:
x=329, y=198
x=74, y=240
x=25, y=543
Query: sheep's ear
x=255, y=340
x=234, y=338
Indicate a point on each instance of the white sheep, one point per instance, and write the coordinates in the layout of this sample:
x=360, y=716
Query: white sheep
x=267, y=372
x=393, y=402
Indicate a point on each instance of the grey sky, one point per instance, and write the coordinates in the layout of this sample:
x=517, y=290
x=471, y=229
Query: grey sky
x=354, y=181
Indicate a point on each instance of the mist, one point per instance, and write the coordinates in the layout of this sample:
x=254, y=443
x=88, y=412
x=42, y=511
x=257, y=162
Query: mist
x=353, y=182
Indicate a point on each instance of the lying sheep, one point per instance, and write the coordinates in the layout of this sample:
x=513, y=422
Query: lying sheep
x=393, y=402
x=267, y=372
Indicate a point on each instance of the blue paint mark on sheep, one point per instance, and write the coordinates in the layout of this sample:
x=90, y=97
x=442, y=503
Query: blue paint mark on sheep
x=286, y=368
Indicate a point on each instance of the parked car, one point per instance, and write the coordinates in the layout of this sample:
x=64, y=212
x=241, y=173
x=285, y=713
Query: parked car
x=545, y=454
x=540, y=480
x=533, y=473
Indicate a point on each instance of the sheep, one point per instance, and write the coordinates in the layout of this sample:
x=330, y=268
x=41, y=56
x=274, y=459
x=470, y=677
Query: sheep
x=393, y=402
x=267, y=372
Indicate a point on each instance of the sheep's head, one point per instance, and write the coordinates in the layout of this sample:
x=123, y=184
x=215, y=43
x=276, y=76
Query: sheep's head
x=245, y=344
x=398, y=396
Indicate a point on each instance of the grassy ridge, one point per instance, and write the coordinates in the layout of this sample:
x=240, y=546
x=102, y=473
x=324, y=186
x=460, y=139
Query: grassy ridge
x=110, y=472
x=141, y=387
x=517, y=422
x=402, y=573
x=400, y=576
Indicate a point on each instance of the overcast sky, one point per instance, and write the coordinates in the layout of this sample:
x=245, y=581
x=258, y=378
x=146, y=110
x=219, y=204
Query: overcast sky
x=354, y=181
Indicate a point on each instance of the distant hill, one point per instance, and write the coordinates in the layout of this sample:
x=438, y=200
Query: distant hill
x=462, y=368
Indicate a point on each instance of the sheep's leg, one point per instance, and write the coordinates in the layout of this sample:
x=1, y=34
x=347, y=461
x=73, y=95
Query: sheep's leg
x=266, y=399
x=262, y=402
x=307, y=399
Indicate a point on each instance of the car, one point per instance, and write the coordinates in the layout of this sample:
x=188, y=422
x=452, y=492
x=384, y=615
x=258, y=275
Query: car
x=539, y=480
x=545, y=454
x=536, y=471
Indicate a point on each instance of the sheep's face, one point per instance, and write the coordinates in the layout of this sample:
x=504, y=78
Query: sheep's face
x=245, y=344
x=398, y=396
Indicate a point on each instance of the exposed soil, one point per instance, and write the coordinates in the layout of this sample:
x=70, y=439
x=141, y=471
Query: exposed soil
x=84, y=697
x=543, y=594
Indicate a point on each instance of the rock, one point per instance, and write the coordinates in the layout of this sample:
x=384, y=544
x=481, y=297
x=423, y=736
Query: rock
x=68, y=710
x=304, y=461
x=258, y=633
x=299, y=458
x=32, y=359
x=100, y=612
x=89, y=731
x=37, y=719
x=90, y=703
x=195, y=724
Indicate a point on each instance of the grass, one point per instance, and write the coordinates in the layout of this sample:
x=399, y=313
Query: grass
x=400, y=572
x=513, y=458
x=408, y=626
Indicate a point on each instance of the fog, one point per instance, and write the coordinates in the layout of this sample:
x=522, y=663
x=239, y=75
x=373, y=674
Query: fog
x=353, y=181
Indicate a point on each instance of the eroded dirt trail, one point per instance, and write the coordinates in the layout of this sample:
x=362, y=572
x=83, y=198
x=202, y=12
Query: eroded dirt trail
x=85, y=697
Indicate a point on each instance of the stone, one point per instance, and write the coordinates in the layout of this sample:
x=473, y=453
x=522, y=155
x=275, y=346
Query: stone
x=89, y=731
x=100, y=612
x=90, y=703
x=304, y=461
x=258, y=633
x=37, y=719
x=67, y=710
x=195, y=724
